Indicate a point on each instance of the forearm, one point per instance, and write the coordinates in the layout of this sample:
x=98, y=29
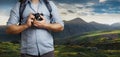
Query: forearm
x=54, y=27
x=16, y=29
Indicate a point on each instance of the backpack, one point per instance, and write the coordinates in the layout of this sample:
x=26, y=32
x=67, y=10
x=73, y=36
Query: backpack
x=22, y=7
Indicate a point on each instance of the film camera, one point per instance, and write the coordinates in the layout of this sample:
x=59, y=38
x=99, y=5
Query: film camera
x=37, y=16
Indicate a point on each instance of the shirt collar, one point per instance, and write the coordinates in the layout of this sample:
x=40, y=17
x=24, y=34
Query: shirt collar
x=29, y=1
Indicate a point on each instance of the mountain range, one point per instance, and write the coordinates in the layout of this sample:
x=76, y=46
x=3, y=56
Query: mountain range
x=72, y=28
x=78, y=26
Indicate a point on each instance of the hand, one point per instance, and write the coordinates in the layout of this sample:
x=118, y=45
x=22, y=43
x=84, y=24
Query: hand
x=30, y=20
x=40, y=24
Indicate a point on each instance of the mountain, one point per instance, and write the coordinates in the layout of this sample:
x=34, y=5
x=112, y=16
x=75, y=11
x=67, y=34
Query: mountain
x=7, y=37
x=72, y=28
x=77, y=21
x=116, y=25
x=100, y=26
x=78, y=26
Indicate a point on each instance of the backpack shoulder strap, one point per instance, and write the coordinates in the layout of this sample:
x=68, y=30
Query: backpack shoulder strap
x=22, y=7
x=49, y=9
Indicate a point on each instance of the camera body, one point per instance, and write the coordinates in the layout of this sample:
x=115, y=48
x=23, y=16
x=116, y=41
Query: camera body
x=37, y=16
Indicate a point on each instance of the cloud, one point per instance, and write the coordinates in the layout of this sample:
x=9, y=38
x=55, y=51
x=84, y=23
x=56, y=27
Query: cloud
x=80, y=9
x=3, y=20
x=101, y=1
x=89, y=16
x=76, y=1
x=71, y=11
x=109, y=6
x=102, y=18
x=99, y=6
x=5, y=11
x=7, y=2
x=100, y=11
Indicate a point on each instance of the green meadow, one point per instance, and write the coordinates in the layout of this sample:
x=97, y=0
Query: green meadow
x=90, y=44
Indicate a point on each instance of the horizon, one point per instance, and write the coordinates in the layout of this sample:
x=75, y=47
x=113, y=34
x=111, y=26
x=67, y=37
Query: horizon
x=100, y=11
x=83, y=20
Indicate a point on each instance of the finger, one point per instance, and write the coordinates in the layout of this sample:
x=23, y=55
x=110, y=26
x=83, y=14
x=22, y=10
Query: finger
x=32, y=16
x=42, y=17
x=32, y=20
x=36, y=22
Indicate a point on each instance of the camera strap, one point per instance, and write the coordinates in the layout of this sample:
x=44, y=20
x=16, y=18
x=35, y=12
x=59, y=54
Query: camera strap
x=23, y=6
x=49, y=9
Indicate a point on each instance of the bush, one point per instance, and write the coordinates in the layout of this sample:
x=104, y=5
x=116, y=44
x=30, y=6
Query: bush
x=8, y=49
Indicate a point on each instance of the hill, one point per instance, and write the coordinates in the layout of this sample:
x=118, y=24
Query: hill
x=100, y=26
x=7, y=37
x=116, y=25
x=100, y=43
x=78, y=26
x=97, y=37
x=90, y=44
x=72, y=28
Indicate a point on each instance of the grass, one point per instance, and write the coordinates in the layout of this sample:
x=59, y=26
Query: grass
x=96, y=46
x=97, y=33
x=98, y=37
x=8, y=49
x=75, y=51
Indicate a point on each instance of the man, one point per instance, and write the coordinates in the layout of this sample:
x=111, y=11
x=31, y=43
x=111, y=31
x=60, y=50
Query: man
x=36, y=39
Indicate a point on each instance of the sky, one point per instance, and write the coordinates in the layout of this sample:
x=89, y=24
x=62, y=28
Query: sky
x=101, y=11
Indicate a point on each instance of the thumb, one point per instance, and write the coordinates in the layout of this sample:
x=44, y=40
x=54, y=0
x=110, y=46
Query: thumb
x=42, y=17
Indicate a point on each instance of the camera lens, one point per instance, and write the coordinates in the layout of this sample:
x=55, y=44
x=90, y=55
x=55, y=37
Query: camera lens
x=37, y=16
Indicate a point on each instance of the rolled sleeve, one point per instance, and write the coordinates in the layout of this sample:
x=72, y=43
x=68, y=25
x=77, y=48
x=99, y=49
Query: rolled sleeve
x=55, y=14
x=14, y=15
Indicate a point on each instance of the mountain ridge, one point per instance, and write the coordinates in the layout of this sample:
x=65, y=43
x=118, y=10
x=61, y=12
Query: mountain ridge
x=74, y=27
